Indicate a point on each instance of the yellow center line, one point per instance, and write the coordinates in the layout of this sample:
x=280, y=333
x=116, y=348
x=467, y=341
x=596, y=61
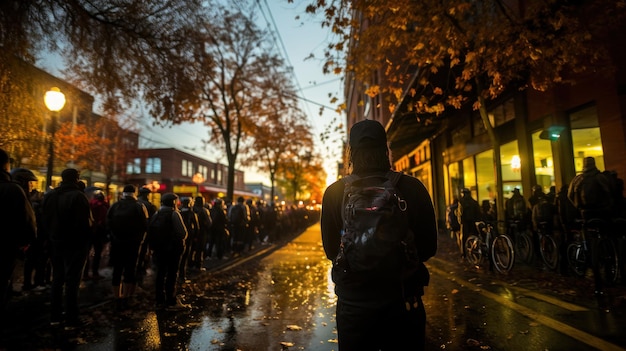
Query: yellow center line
x=560, y=327
x=549, y=299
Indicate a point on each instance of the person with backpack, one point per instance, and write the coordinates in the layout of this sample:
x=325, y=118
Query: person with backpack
x=166, y=236
x=127, y=220
x=378, y=270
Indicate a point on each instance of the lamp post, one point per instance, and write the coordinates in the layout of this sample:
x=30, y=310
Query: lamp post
x=54, y=100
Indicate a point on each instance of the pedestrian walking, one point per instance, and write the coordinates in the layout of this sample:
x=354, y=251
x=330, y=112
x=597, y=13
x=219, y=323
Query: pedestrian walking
x=67, y=216
x=20, y=228
x=127, y=220
x=166, y=237
x=379, y=308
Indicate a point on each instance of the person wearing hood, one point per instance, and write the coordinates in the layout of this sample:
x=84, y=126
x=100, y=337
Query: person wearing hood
x=166, y=236
x=127, y=220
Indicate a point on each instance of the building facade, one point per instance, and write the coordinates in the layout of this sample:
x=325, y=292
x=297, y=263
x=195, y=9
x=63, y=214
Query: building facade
x=542, y=136
x=171, y=170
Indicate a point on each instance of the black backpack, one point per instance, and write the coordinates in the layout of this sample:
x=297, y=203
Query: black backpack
x=160, y=229
x=376, y=242
x=127, y=218
x=237, y=215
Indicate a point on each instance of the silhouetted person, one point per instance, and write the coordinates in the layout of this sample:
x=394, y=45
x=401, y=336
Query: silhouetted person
x=67, y=215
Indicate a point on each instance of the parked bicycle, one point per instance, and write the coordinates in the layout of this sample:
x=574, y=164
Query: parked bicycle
x=548, y=247
x=522, y=238
x=604, y=262
x=488, y=243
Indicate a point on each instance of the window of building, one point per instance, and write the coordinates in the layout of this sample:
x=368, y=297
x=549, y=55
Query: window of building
x=213, y=174
x=544, y=163
x=134, y=166
x=586, y=139
x=486, y=179
x=469, y=175
x=511, y=168
x=455, y=179
x=204, y=171
x=153, y=165
x=460, y=135
x=219, y=176
x=479, y=126
x=502, y=113
x=187, y=168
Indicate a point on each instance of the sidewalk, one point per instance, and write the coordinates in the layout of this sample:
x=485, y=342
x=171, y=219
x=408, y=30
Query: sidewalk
x=31, y=310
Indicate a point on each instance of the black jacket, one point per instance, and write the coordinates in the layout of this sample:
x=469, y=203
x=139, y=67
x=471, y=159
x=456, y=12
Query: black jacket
x=67, y=214
x=16, y=214
x=421, y=218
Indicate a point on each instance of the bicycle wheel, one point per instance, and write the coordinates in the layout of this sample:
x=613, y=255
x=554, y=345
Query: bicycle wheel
x=608, y=261
x=502, y=253
x=474, y=250
x=524, y=247
x=549, y=252
x=577, y=259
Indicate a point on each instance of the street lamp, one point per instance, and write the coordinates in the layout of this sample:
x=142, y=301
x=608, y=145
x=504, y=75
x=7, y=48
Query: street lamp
x=198, y=179
x=54, y=100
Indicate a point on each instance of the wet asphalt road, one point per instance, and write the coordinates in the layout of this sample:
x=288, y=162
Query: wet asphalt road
x=281, y=298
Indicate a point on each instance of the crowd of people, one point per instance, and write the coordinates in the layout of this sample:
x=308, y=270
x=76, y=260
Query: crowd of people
x=592, y=194
x=68, y=234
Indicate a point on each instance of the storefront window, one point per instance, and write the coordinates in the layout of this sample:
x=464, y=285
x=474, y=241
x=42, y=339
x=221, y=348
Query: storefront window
x=455, y=180
x=544, y=163
x=486, y=177
x=586, y=138
x=511, y=167
x=469, y=175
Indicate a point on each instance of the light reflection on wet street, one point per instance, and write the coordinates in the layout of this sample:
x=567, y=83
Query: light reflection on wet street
x=289, y=304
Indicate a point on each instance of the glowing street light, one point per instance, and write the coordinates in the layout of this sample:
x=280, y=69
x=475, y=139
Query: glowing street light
x=54, y=100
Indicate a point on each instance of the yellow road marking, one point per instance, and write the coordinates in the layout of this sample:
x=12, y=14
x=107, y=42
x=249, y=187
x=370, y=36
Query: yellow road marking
x=560, y=327
x=549, y=299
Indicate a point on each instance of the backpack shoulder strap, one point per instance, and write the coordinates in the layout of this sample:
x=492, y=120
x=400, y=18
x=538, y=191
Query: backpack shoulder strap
x=394, y=177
